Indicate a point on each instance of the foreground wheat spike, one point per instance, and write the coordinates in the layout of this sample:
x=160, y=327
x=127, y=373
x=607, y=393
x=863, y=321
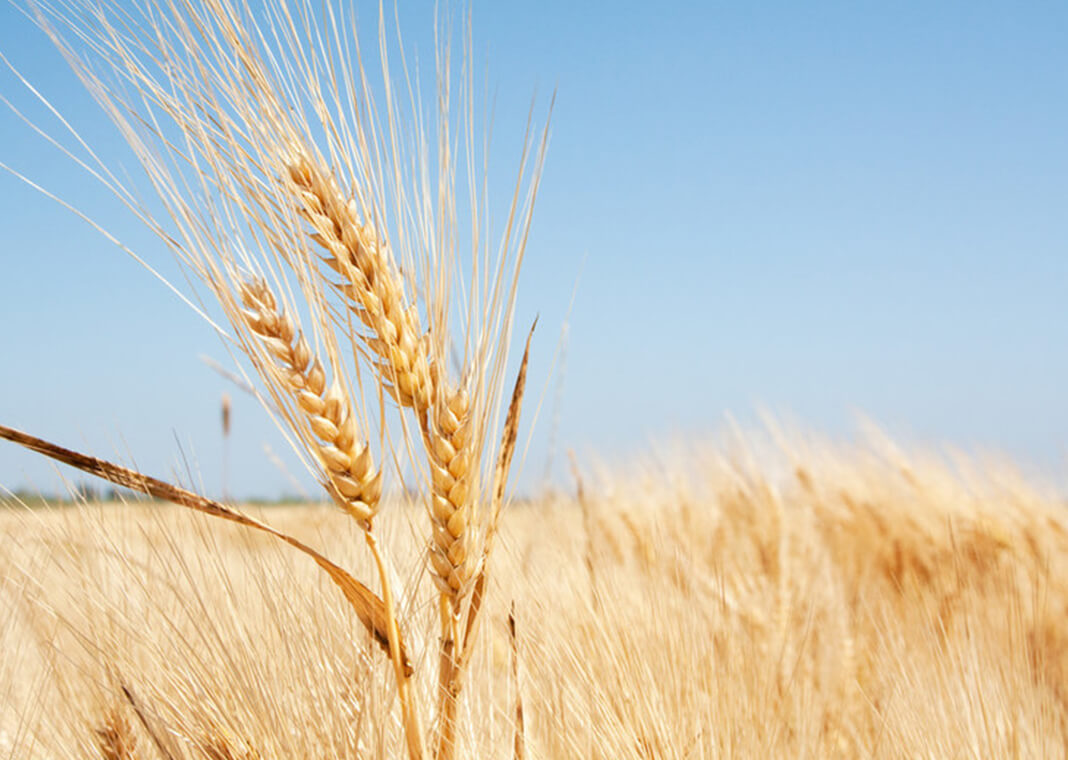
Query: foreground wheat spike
x=371, y=282
x=351, y=479
x=448, y=443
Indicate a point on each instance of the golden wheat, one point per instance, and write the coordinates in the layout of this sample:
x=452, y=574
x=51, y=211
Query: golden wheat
x=371, y=283
x=346, y=460
x=922, y=614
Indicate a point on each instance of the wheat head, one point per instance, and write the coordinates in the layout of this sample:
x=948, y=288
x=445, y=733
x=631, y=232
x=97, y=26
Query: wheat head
x=371, y=283
x=448, y=443
x=347, y=463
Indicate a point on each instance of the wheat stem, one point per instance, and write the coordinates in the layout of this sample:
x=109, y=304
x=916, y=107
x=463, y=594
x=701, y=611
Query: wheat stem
x=413, y=728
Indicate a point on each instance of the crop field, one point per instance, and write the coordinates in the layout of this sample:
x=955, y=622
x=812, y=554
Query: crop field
x=334, y=213
x=791, y=603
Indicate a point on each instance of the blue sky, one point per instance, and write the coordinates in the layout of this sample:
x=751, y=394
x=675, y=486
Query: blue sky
x=820, y=209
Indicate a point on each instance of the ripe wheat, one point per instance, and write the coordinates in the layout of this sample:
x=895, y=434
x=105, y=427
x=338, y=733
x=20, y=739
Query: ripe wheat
x=351, y=478
x=267, y=142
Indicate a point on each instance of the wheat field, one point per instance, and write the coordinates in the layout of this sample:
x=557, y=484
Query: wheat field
x=767, y=596
x=751, y=602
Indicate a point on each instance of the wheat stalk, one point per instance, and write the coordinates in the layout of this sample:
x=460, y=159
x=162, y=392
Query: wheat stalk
x=375, y=293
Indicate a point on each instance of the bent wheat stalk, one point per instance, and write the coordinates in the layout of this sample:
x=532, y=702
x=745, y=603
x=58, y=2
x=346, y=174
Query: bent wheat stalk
x=376, y=614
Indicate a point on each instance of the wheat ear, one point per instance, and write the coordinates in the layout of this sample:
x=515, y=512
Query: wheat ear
x=448, y=442
x=371, y=283
x=346, y=462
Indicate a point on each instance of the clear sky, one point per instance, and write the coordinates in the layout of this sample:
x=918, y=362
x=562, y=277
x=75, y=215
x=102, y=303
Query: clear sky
x=821, y=209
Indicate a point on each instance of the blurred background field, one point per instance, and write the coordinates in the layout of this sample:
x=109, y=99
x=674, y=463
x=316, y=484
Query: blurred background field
x=812, y=208
x=755, y=598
